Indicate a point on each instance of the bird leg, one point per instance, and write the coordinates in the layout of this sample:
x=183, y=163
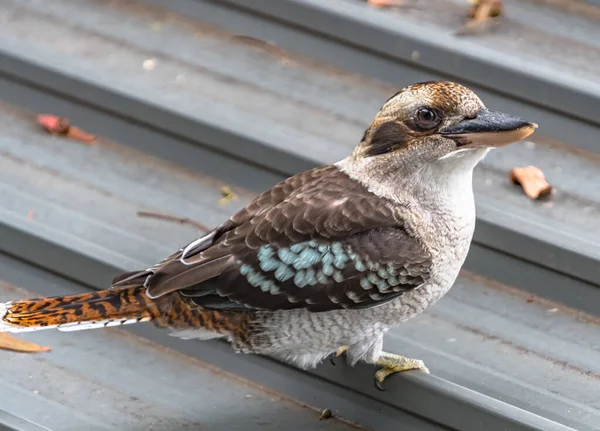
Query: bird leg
x=391, y=363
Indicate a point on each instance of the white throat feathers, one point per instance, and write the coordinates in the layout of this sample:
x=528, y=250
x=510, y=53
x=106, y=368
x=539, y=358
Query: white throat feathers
x=434, y=185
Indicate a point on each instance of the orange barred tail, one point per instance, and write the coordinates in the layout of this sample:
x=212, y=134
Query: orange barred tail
x=113, y=307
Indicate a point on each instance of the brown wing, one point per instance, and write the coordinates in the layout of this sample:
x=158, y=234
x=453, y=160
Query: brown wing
x=259, y=204
x=319, y=241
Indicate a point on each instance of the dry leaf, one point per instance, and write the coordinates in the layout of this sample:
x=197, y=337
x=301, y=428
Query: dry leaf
x=62, y=126
x=8, y=342
x=481, y=13
x=532, y=180
x=80, y=135
x=53, y=124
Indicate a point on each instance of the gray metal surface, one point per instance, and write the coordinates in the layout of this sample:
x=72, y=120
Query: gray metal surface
x=543, y=68
x=482, y=337
x=253, y=129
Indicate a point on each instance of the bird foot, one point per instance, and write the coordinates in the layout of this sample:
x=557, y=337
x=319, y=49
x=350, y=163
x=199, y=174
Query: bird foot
x=339, y=352
x=393, y=363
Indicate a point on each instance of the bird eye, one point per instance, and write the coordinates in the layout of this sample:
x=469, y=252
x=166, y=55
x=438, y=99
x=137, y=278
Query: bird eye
x=427, y=118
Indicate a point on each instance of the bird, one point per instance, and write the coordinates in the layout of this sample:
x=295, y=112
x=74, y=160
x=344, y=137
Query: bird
x=324, y=263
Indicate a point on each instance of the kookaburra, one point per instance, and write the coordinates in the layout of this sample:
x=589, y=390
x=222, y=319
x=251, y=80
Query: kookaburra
x=329, y=259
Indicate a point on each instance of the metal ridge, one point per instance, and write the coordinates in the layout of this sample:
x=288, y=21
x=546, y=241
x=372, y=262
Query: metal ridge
x=544, y=251
x=353, y=23
x=40, y=78
x=355, y=38
x=420, y=401
x=9, y=422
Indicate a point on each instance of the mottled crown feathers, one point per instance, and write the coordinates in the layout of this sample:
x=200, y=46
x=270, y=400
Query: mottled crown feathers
x=400, y=123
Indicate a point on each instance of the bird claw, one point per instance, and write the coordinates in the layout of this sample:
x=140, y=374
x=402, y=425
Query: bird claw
x=339, y=352
x=392, y=364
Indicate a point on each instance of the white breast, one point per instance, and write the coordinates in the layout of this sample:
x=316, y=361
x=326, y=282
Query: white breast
x=445, y=194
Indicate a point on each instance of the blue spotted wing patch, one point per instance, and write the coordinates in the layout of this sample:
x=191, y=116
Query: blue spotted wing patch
x=320, y=275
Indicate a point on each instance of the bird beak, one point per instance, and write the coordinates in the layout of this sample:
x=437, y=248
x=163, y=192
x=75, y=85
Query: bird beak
x=489, y=129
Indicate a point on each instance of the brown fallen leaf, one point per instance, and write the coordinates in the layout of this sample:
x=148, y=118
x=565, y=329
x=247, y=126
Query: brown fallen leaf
x=486, y=8
x=532, y=180
x=54, y=124
x=480, y=14
x=8, y=342
x=175, y=219
x=62, y=126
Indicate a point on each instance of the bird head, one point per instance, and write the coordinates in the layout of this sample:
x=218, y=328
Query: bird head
x=433, y=121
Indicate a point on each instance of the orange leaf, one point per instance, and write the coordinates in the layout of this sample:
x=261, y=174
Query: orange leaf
x=79, y=135
x=8, y=342
x=54, y=124
x=62, y=126
x=533, y=181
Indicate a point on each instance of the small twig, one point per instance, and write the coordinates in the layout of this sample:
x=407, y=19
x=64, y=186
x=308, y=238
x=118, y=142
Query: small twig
x=180, y=220
x=265, y=45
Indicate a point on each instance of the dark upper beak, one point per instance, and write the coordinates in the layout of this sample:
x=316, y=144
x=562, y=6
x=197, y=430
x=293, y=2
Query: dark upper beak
x=489, y=129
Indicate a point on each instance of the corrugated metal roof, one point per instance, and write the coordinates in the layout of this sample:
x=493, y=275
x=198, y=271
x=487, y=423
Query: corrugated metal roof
x=247, y=130
x=527, y=69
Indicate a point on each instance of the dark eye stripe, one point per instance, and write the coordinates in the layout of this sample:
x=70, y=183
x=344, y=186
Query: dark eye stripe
x=387, y=137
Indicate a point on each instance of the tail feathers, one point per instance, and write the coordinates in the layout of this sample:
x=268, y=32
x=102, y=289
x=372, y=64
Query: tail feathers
x=113, y=307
